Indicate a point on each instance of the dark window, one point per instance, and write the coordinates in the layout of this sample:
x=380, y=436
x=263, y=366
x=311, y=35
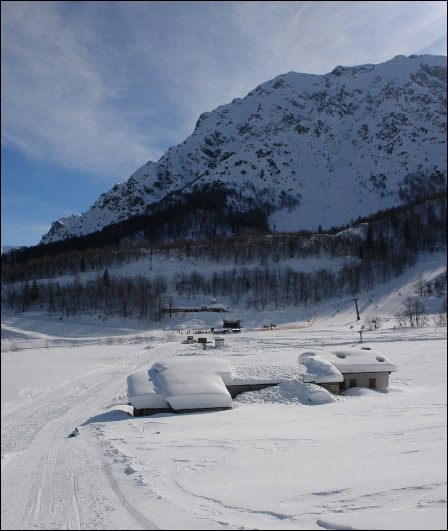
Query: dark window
x=372, y=383
x=352, y=382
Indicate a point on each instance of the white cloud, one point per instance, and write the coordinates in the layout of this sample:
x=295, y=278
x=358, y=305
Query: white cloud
x=105, y=86
x=56, y=100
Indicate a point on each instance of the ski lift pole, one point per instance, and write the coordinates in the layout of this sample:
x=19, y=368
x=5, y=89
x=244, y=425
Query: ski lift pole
x=357, y=311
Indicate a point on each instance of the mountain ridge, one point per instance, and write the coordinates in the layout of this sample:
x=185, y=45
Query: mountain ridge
x=305, y=149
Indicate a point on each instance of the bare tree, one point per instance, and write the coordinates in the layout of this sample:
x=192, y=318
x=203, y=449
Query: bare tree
x=412, y=311
x=441, y=317
x=420, y=285
x=374, y=321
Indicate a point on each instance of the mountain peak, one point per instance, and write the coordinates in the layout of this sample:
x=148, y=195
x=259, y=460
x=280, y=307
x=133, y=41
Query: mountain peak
x=303, y=150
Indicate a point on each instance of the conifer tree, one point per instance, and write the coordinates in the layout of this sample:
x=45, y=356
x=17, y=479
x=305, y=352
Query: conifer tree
x=106, y=278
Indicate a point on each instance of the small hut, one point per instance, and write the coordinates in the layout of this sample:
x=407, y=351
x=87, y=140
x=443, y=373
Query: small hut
x=359, y=367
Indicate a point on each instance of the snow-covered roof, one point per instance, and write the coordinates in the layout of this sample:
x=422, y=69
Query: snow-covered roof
x=142, y=393
x=182, y=384
x=319, y=369
x=194, y=365
x=358, y=359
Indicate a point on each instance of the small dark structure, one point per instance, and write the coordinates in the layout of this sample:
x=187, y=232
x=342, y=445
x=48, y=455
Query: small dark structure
x=203, y=341
x=232, y=324
x=213, y=307
x=192, y=310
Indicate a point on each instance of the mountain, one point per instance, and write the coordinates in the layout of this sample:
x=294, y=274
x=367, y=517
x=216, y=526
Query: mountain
x=297, y=152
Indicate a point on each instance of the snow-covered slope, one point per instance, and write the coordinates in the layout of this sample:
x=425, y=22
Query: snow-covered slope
x=318, y=149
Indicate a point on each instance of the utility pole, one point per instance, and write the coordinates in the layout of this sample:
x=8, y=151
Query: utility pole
x=357, y=312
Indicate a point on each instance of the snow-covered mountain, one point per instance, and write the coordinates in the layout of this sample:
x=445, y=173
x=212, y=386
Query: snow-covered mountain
x=308, y=149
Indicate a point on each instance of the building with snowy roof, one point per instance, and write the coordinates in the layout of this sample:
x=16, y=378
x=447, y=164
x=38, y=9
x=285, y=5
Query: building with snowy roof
x=213, y=307
x=321, y=372
x=355, y=367
x=182, y=385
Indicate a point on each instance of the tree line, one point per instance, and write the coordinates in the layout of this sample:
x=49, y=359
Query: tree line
x=375, y=252
x=404, y=231
x=106, y=295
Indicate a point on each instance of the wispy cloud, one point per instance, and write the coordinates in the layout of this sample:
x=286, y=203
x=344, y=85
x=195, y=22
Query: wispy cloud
x=105, y=86
x=12, y=200
x=59, y=99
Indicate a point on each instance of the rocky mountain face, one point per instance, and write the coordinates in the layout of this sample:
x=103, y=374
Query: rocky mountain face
x=304, y=150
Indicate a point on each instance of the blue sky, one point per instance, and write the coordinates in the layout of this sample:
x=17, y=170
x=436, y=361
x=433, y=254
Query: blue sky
x=93, y=90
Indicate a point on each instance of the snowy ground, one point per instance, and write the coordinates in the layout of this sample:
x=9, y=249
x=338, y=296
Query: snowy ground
x=367, y=460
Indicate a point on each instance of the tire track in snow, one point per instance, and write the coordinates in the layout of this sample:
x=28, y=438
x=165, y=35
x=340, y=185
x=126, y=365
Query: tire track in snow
x=147, y=524
x=22, y=422
x=74, y=495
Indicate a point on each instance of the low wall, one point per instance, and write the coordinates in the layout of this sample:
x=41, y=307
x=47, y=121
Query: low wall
x=331, y=387
x=154, y=411
x=235, y=390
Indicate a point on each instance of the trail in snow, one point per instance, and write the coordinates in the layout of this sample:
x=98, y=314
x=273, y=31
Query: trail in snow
x=52, y=481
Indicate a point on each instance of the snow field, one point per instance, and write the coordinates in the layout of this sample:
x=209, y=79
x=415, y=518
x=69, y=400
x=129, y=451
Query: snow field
x=366, y=460
x=275, y=461
x=376, y=460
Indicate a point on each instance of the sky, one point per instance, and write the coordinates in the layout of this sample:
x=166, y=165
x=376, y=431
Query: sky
x=91, y=91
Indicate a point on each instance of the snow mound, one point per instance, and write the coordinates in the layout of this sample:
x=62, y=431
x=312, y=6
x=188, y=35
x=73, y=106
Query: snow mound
x=288, y=392
x=319, y=395
x=363, y=391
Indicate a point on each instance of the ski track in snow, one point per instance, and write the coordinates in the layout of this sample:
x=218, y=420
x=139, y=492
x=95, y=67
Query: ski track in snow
x=60, y=489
